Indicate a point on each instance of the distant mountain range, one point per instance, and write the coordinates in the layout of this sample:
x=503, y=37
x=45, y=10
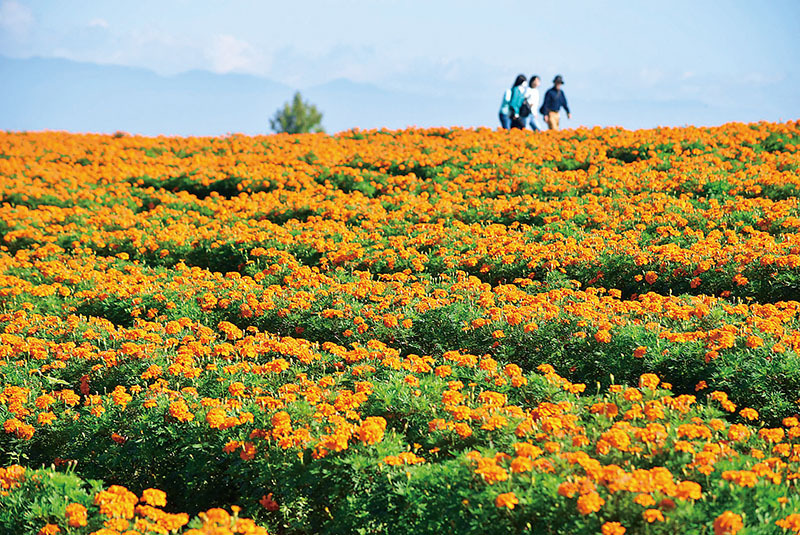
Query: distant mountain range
x=59, y=94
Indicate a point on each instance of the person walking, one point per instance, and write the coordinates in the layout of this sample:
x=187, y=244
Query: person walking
x=509, y=111
x=554, y=100
x=532, y=99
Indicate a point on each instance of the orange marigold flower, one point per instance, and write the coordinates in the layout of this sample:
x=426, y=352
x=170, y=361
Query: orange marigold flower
x=507, y=499
x=590, y=503
x=216, y=417
x=603, y=336
x=567, y=489
x=521, y=464
x=653, y=515
x=772, y=435
x=740, y=280
x=755, y=341
x=443, y=371
x=743, y=478
x=728, y=523
x=371, y=430
x=76, y=515
x=790, y=421
x=613, y=528
x=217, y=515
x=154, y=497
x=491, y=473
x=268, y=503
x=791, y=522
x=688, y=490
x=748, y=413
x=236, y=389
x=649, y=380
x=463, y=430
x=49, y=529
x=180, y=411
x=46, y=418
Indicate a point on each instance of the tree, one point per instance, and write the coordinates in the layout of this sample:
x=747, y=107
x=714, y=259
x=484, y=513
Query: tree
x=297, y=117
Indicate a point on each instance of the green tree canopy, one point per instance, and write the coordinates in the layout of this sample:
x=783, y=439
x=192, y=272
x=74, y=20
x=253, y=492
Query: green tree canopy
x=297, y=117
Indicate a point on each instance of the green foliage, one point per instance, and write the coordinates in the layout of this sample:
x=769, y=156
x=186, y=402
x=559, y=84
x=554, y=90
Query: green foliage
x=297, y=117
x=43, y=498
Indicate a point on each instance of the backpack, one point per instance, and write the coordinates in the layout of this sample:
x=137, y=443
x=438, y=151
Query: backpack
x=516, y=101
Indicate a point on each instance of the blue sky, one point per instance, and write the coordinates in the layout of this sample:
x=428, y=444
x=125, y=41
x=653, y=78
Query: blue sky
x=731, y=60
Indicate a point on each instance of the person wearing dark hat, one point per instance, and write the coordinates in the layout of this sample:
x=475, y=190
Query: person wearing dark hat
x=554, y=100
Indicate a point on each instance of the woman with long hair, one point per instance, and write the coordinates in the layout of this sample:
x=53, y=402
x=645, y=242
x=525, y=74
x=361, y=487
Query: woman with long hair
x=512, y=100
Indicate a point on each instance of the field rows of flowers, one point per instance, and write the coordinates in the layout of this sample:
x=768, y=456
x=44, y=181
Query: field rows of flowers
x=588, y=331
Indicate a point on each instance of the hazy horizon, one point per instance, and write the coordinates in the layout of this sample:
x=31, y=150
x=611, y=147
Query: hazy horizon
x=393, y=64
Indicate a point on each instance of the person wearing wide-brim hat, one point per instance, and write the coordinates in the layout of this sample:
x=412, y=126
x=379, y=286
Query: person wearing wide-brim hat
x=554, y=100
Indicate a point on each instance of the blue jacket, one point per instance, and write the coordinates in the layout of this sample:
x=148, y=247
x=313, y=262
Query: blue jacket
x=553, y=101
x=512, y=100
x=517, y=98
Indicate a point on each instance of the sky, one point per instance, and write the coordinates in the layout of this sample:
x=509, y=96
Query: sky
x=703, y=62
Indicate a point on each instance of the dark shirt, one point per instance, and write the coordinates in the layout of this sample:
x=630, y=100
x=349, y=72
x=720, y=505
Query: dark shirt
x=553, y=101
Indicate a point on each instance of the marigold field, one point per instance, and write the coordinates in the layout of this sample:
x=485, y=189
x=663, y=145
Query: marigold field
x=592, y=331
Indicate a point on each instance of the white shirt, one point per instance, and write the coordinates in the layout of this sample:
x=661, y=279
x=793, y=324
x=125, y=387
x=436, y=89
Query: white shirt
x=532, y=98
